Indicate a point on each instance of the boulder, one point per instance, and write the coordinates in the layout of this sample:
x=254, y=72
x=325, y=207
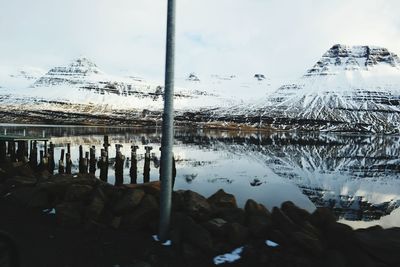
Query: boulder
x=152, y=188
x=21, y=181
x=282, y=221
x=128, y=201
x=96, y=205
x=296, y=214
x=258, y=225
x=77, y=192
x=307, y=242
x=322, y=217
x=236, y=233
x=116, y=222
x=215, y=226
x=333, y=258
x=233, y=215
x=196, y=205
x=253, y=208
x=383, y=244
x=69, y=213
x=222, y=200
x=21, y=195
x=139, y=218
x=187, y=230
x=41, y=200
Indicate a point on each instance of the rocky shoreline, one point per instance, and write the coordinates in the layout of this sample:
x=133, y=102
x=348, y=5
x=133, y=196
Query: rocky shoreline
x=79, y=220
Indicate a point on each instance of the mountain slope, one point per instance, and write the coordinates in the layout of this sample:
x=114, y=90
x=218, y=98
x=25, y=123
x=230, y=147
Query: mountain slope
x=351, y=88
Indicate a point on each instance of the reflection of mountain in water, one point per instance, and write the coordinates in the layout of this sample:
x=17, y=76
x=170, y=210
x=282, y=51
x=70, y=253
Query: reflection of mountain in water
x=357, y=176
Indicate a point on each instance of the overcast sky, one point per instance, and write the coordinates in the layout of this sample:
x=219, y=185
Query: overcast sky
x=276, y=37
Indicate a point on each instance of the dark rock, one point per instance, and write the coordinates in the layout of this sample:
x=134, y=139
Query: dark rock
x=21, y=181
x=21, y=195
x=96, y=205
x=116, y=222
x=322, y=217
x=192, y=232
x=333, y=258
x=259, y=225
x=253, y=208
x=40, y=199
x=77, y=192
x=282, y=221
x=233, y=215
x=129, y=201
x=308, y=242
x=190, y=253
x=296, y=214
x=196, y=205
x=342, y=238
x=152, y=188
x=382, y=244
x=68, y=213
x=140, y=217
x=237, y=233
x=215, y=226
x=222, y=200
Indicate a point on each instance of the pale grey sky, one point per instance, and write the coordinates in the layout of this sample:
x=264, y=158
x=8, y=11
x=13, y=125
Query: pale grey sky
x=280, y=38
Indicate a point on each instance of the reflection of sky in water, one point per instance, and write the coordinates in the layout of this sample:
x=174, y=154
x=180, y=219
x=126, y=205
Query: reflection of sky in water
x=268, y=168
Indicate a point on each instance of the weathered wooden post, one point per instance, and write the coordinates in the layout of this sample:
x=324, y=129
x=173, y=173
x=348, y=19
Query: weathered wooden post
x=103, y=165
x=33, y=162
x=106, y=144
x=20, y=151
x=61, y=167
x=68, y=163
x=86, y=163
x=146, y=170
x=81, y=159
x=119, y=165
x=11, y=150
x=52, y=164
x=92, y=168
x=44, y=161
x=3, y=151
x=133, y=169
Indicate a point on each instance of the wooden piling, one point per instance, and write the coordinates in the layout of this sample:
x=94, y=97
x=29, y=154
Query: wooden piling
x=3, y=151
x=103, y=165
x=68, y=163
x=33, y=162
x=61, y=167
x=133, y=169
x=50, y=156
x=119, y=165
x=146, y=170
x=92, y=161
x=11, y=151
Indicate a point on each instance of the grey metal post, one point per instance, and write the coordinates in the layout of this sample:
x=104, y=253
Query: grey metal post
x=167, y=126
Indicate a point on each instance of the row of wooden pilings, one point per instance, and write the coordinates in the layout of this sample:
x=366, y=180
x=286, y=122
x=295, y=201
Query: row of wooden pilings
x=88, y=163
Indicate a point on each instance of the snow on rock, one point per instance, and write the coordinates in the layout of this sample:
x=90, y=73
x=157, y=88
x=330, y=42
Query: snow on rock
x=351, y=88
x=228, y=257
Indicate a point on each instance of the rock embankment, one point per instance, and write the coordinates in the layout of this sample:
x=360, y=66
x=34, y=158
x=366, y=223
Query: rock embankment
x=201, y=228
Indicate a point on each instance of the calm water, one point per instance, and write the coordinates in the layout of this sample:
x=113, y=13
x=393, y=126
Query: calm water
x=358, y=176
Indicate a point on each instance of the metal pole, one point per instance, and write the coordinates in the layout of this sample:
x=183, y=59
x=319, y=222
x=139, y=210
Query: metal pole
x=167, y=127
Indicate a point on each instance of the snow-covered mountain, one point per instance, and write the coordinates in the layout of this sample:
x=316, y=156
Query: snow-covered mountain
x=349, y=88
x=84, y=89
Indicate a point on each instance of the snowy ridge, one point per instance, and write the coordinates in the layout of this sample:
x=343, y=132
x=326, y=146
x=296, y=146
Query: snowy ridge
x=82, y=82
x=351, y=88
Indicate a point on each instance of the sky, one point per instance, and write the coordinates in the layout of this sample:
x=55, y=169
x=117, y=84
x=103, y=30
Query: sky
x=278, y=38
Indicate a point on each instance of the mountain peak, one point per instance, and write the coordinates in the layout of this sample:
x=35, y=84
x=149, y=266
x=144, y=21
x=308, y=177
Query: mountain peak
x=350, y=58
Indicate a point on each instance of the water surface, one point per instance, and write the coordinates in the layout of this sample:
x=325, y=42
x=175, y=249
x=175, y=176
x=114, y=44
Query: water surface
x=357, y=176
